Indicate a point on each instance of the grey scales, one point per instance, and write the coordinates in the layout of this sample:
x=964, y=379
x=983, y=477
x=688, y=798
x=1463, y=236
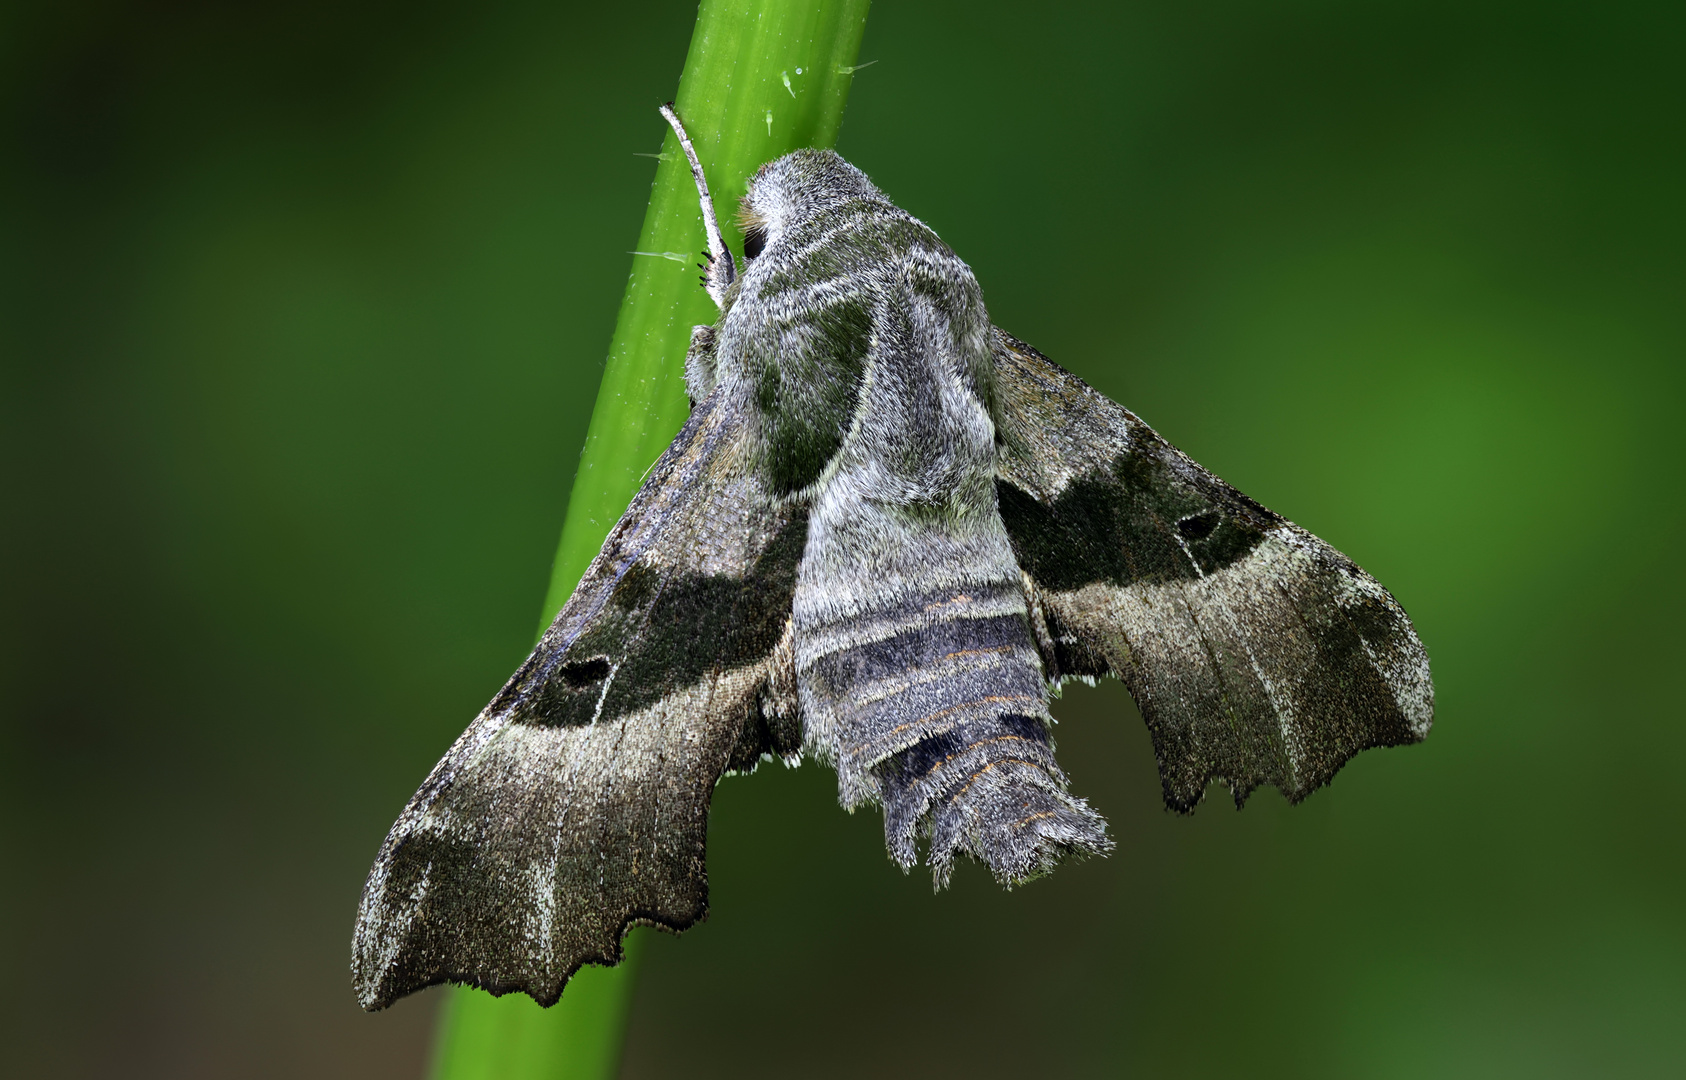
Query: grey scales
x=886, y=534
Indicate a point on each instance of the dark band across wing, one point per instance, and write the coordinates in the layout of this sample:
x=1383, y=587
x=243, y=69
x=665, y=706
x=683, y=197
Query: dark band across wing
x=1257, y=653
x=577, y=803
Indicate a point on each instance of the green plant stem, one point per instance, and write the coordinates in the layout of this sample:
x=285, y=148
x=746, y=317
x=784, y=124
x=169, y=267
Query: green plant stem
x=762, y=78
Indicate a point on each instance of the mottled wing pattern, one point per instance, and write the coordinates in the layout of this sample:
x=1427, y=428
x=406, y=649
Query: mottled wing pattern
x=577, y=803
x=1257, y=653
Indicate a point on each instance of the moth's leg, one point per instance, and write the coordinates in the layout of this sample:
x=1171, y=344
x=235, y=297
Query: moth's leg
x=700, y=364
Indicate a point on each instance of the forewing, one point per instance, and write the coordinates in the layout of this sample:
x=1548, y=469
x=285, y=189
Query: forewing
x=1257, y=653
x=577, y=803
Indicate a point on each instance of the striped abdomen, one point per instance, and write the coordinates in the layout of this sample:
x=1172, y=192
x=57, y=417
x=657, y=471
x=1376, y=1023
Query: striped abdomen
x=932, y=703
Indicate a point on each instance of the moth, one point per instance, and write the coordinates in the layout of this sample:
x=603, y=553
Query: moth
x=886, y=533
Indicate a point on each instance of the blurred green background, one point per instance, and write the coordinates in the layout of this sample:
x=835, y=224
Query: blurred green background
x=302, y=313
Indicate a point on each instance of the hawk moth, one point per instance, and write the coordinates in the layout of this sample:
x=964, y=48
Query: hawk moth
x=886, y=531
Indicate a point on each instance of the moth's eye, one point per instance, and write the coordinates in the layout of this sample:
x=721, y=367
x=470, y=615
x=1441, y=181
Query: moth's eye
x=754, y=239
x=1198, y=526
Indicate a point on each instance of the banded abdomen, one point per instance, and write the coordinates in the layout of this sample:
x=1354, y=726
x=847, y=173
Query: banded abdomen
x=919, y=679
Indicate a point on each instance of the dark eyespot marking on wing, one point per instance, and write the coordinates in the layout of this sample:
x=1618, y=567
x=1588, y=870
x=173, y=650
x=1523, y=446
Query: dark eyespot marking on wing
x=569, y=700
x=1199, y=526
x=1140, y=521
x=585, y=673
x=692, y=626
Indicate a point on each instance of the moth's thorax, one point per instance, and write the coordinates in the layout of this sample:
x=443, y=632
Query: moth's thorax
x=791, y=191
x=852, y=310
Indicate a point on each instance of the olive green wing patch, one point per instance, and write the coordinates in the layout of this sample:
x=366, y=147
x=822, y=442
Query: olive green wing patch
x=1256, y=653
x=576, y=804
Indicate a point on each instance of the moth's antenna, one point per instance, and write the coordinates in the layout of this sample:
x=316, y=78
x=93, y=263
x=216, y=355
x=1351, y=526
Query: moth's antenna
x=723, y=269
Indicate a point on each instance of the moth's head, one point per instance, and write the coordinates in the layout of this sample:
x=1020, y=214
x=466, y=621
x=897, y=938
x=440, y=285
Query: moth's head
x=793, y=189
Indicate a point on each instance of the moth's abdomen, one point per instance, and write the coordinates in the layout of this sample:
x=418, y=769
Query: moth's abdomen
x=988, y=788
x=919, y=679
x=934, y=706
x=927, y=663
